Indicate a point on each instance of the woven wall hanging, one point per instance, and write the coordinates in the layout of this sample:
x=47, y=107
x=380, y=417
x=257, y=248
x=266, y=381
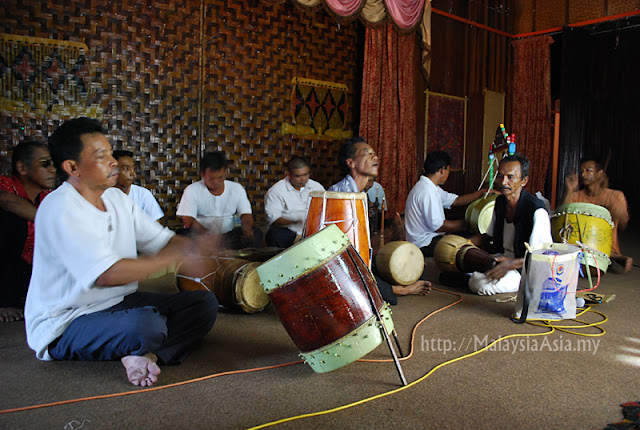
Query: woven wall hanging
x=45, y=75
x=319, y=109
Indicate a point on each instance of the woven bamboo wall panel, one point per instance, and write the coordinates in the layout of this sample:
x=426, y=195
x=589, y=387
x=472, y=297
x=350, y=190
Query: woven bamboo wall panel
x=620, y=6
x=583, y=11
x=247, y=95
x=551, y=13
x=172, y=79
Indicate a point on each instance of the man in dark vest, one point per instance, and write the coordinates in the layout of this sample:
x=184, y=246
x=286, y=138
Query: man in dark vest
x=518, y=217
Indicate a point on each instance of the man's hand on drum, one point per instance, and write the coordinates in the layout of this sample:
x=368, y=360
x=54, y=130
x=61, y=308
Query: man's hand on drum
x=504, y=265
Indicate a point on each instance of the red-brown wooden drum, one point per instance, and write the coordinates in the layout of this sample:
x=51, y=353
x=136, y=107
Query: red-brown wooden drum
x=318, y=288
x=348, y=211
x=235, y=282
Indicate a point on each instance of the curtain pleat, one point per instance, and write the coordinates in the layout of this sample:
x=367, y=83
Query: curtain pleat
x=531, y=107
x=387, y=119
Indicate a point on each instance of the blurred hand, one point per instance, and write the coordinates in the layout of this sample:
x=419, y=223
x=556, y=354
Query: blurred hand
x=571, y=182
x=207, y=244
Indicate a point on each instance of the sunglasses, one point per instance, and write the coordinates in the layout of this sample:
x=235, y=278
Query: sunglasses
x=46, y=163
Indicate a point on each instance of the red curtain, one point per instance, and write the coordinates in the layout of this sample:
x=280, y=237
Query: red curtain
x=531, y=106
x=388, y=112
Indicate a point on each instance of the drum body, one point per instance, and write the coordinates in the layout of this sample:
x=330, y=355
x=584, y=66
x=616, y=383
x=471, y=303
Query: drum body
x=235, y=282
x=446, y=251
x=318, y=288
x=348, y=211
x=588, y=224
x=454, y=253
x=400, y=263
x=479, y=213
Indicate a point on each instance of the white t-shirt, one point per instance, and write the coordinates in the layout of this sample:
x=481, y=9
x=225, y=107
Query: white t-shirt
x=214, y=212
x=146, y=201
x=283, y=200
x=424, y=211
x=75, y=244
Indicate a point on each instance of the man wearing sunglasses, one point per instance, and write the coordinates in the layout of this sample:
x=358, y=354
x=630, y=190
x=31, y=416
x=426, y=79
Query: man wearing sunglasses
x=33, y=175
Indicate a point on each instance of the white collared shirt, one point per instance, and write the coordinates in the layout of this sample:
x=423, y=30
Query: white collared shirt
x=284, y=201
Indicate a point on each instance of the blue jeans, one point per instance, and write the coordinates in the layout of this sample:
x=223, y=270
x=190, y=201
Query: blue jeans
x=167, y=325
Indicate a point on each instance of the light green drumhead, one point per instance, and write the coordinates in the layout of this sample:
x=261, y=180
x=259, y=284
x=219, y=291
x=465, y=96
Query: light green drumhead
x=584, y=209
x=302, y=258
x=351, y=347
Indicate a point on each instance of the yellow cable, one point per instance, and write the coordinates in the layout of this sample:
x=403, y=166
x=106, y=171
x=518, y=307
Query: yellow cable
x=546, y=324
x=397, y=390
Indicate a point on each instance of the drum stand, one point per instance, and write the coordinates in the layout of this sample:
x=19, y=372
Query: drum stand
x=379, y=317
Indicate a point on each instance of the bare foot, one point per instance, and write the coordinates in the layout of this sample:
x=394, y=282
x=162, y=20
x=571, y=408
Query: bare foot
x=141, y=369
x=11, y=314
x=419, y=287
x=623, y=260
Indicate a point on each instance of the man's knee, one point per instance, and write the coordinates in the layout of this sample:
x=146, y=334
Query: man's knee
x=145, y=327
x=205, y=304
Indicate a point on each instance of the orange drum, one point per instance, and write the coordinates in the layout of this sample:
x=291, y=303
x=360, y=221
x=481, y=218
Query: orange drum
x=235, y=282
x=348, y=211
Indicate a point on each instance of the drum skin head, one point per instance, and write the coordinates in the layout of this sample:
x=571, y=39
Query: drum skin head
x=250, y=295
x=302, y=257
x=338, y=195
x=400, y=262
x=479, y=213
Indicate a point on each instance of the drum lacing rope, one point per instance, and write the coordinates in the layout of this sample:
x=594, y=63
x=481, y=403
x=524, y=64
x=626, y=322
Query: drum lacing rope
x=200, y=279
x=353, y=220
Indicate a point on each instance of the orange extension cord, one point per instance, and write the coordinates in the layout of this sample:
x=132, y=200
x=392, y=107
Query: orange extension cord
x=235, y=372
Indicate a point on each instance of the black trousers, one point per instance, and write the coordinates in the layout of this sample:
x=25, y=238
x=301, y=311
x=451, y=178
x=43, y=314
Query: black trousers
x=279, y=236
x=15, y=273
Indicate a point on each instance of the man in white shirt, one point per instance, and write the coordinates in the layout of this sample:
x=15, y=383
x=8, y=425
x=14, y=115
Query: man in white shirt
x=518, y=217
x=425, y=221
x=83, y=302
x=286, y=203
x=140, y=195
x=211, y=204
